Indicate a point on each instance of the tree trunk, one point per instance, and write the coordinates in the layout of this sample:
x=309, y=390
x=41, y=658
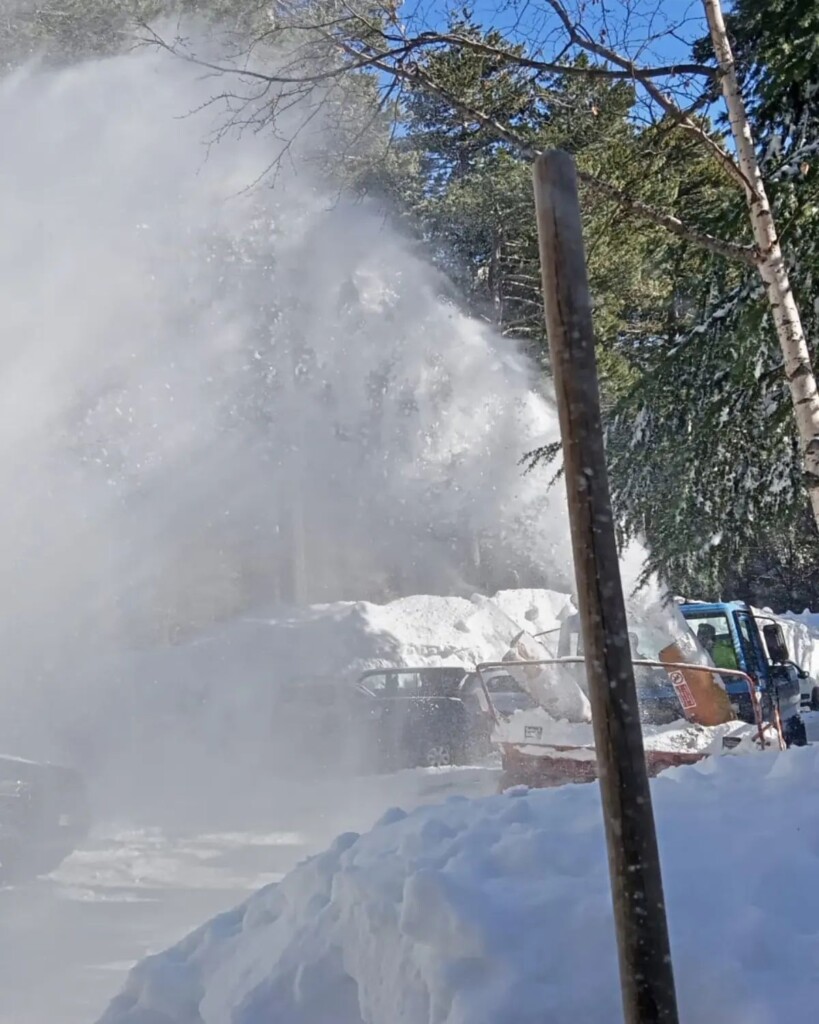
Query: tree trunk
x=495, y=281
x=771, y=265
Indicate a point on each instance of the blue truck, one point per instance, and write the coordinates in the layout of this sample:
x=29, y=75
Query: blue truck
x=734, y=638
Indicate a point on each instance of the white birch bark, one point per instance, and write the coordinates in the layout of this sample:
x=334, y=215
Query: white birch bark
x=771, y=265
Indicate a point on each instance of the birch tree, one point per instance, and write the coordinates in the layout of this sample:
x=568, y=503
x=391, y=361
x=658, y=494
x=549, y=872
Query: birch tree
x=771, y=264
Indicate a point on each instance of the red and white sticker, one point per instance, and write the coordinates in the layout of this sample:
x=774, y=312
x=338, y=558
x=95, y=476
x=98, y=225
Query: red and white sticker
x=682, y=689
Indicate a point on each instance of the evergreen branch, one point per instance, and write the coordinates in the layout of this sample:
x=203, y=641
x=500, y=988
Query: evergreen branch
x=730, y=250
x=558, y=68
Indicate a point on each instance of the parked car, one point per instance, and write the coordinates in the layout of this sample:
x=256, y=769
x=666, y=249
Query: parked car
x=390, y=718
x=416, y=716
x=44, y=815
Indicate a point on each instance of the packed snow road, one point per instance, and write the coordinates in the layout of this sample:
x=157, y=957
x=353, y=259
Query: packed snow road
x=67, y=941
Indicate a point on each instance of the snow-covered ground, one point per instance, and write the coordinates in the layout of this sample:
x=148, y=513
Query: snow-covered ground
x=498, y=910
x=68, y=941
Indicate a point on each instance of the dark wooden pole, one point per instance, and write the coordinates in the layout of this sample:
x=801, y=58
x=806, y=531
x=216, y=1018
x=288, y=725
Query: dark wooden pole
x=646, y=973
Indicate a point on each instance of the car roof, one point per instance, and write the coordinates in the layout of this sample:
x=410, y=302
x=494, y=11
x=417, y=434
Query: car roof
x=406, y=670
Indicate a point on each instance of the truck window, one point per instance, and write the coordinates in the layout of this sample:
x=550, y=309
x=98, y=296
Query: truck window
x=714, y=635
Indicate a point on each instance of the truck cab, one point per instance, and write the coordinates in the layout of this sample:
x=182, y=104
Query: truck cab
x=731, y=636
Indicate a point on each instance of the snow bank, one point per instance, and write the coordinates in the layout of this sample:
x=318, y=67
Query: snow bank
x=537, y=611
x=496, y=911
x=802, y=635
x=340, y=640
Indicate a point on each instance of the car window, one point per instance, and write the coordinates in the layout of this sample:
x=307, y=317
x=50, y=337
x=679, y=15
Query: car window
x=378, y=683
x=410, y=684
x=397, y=684
x=442, y=682
x=502, y=683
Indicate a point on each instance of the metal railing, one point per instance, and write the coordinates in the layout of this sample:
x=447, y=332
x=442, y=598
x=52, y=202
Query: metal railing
x=676, y=666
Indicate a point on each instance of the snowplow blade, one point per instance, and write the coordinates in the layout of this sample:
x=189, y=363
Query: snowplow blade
x=539, y=750
x=561, y=767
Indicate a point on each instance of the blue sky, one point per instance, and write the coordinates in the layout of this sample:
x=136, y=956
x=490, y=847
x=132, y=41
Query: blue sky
x=652, y=32
x=661, y=30
x=655, y=31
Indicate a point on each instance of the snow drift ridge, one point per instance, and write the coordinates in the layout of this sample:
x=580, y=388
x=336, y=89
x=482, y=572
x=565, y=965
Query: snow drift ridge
x=497, y=911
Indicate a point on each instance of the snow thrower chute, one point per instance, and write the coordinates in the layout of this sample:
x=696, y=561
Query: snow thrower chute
x=558, y=684
x=702, y=697
x=548, y=681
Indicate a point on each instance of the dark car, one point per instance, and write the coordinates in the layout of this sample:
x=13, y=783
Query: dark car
x=44, y=815
x=391, y=718
x=415, y=716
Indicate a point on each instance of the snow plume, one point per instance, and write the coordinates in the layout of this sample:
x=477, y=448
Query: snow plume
x=227, y=393
x=653, y=616
x=217, y=397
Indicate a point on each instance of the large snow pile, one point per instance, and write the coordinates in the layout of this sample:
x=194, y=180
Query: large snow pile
x=538, y=611
x=338, y=641
x=219, y=707
x=497, y=911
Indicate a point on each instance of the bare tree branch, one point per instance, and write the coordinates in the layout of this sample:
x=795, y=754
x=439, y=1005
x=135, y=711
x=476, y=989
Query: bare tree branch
x=396, y=63
x=673, y=109
x=363, y=61
x=546, y=67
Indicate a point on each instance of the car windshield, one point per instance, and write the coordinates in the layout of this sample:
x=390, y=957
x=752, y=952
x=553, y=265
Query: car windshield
x=442, y=682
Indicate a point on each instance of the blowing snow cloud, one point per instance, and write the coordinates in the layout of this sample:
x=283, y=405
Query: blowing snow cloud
x=218, y=397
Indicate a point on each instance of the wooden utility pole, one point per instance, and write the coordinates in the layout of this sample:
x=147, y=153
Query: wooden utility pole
x=646, y=974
